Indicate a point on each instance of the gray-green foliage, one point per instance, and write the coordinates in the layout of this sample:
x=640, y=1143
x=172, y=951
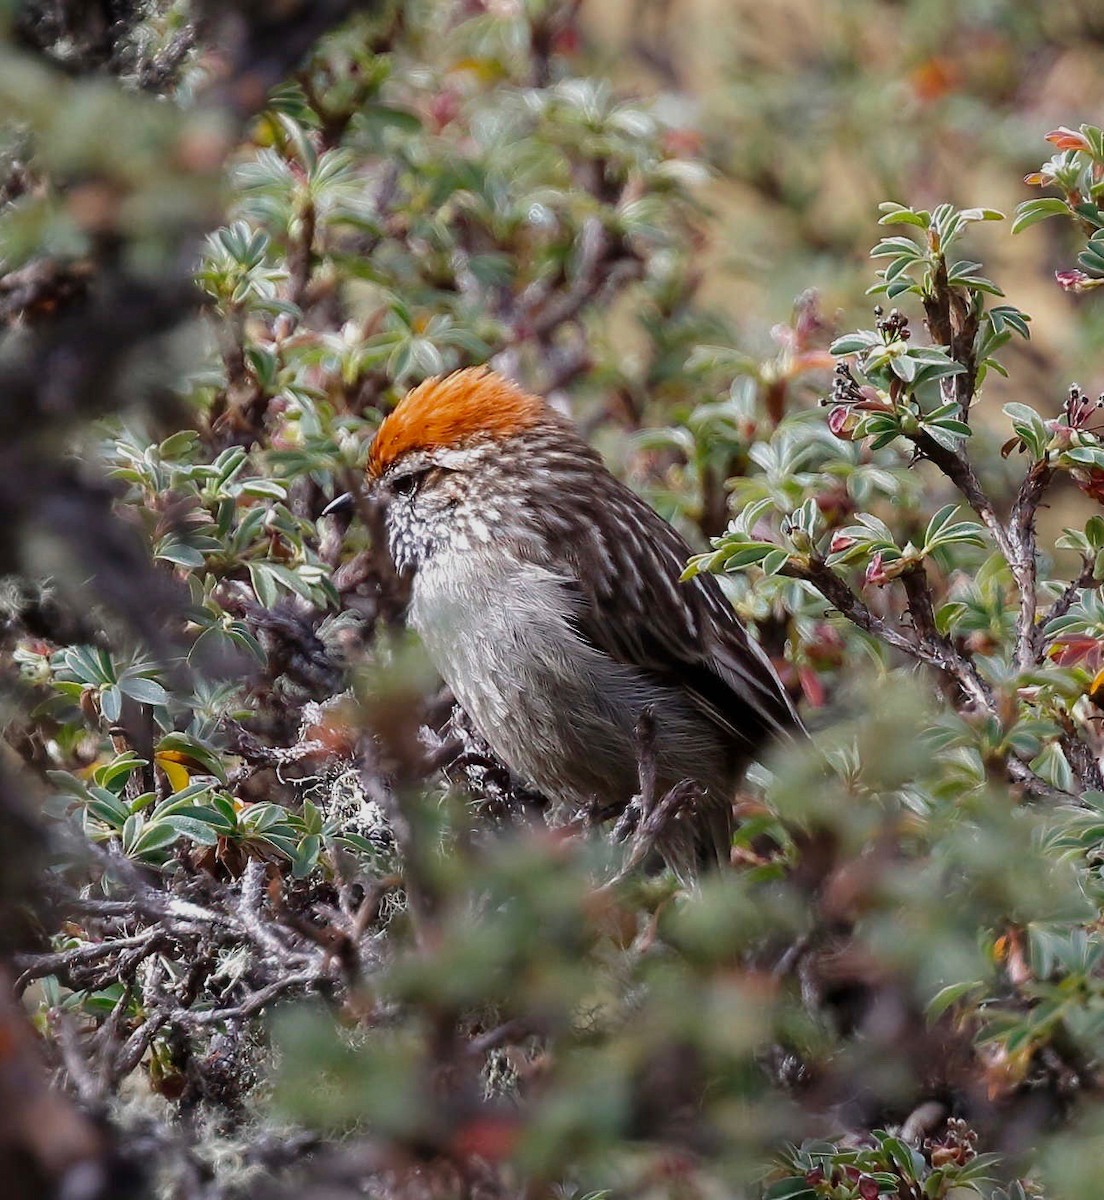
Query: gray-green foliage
x=904, y=963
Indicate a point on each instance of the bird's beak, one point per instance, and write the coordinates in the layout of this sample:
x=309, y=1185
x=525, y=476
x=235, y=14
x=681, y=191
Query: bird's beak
x=342, y=503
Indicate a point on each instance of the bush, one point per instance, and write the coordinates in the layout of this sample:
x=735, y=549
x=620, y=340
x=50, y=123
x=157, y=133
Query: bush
x=282, y=925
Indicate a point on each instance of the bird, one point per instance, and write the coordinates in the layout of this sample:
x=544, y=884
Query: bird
x=549, y=596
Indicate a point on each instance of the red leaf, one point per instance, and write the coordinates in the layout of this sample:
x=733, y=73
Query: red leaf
x=488, y=1137
x=811, y=687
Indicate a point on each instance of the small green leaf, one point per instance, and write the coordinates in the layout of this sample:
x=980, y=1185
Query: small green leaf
x=201, y=832
x=948, y=615
x=1032, y=211
x=948, y=996
x=143, y=689
x=155, y=836
x=264, y=584
x=111, y=703
x=899, y=214
x=854, y=343
x=794, y=1188
x=1090, y=456
x=904, y=367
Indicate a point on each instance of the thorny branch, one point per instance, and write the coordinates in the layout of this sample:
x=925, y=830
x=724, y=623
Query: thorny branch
x=1016, y=541
x=959, y=470
x=1069, y=595
x=1024, y=561
x=817, y=572
x=932, y=651
x=953, y=323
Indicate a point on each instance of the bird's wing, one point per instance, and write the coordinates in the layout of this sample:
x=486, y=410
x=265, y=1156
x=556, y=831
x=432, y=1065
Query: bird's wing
x=628, y=562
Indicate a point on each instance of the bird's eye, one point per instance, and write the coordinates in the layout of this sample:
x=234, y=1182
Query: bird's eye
x=407, y=485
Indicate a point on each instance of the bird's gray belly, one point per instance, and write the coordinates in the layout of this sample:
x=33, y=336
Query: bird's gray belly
x=559, y=712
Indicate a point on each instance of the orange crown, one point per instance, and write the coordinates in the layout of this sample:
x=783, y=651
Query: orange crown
x=453, y=410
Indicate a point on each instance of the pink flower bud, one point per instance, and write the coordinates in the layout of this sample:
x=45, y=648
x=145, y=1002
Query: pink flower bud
x=1076, y=281
x=842, y=422
x=880, y=571
x=876, y=573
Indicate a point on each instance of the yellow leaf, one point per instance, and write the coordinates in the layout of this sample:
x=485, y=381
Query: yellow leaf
x=1096, y=689
x=175, y=773
x=485, y=70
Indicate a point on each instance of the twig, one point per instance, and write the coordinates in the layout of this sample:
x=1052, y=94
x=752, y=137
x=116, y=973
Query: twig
x=936, y=653
x=937, y=650
x=1021, y=773
x=920, y=604
x=249, y=1007
x=82, y=1079
x=510, y=1031
x=1081, y=758
x=940, y=654
x=1068, y=598
x=954, y=324
x=1024, y=561
x=36, y=966
x=300, y=256
x=845, y=601
x=131, y=1052
x=1017, y=543
x=959, y=470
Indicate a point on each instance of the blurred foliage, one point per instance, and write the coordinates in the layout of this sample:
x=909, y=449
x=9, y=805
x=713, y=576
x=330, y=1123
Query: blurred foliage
x=278, y=951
